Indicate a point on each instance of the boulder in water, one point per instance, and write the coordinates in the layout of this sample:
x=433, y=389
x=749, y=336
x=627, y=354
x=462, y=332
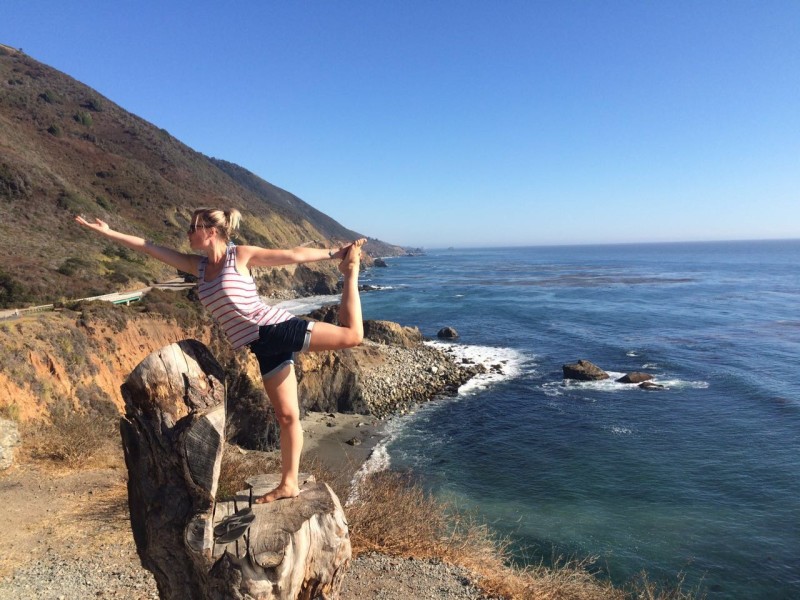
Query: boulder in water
x=583, y=370
x=447, y=333
x=635, y=377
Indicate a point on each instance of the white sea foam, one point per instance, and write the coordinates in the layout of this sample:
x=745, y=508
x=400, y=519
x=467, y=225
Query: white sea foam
x=557, y=388
x=681, y=384
x=378, y=460
x=632, y=353
x=501, y=363
x=617, y=430
x=302, y=306
x=510, y=363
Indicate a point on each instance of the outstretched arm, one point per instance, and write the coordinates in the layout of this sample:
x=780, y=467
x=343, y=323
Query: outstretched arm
x=180, y=260
x=254, y=256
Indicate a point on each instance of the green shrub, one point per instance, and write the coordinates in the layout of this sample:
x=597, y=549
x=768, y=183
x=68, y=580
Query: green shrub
x=74, y=265
x=12, y=292
x=70, y=437
x=74, y=203
x=83, y=118
x=50, y=97
x=9, y=411
x=117, y=251
x=98, y=313
x=94, y=104
x=183, y=308
x=54, y=130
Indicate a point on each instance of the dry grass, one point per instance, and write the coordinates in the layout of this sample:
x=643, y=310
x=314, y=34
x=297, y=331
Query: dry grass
x=73, y=439
x=393, y=515
x=238, y=465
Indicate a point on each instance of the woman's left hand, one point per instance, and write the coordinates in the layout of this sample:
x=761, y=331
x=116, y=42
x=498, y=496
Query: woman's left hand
x=342, y=252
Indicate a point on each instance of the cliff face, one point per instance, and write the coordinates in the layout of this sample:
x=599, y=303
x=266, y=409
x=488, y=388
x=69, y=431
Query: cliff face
x=82, y=357
x=78, y=359
x=66, y=150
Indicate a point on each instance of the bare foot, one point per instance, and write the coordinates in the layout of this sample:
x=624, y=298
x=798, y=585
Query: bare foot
x=351, y=260
x=279, y=493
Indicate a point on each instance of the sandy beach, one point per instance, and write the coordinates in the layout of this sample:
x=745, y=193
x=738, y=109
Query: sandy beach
x=341, y=441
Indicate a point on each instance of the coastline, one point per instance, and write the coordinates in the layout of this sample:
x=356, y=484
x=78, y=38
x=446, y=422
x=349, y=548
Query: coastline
x=344, y=442
x=329, y=438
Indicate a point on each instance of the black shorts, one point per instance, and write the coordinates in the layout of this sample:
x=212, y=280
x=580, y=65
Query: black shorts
x=276, y=344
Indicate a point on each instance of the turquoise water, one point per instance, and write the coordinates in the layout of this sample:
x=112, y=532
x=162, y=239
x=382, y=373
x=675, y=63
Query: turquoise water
x=702, y=477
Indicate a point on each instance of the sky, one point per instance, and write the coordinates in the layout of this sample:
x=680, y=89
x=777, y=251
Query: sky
x=467, y=124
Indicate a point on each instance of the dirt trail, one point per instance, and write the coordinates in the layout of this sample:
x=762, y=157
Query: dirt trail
x=48, y=509
x=67, y=536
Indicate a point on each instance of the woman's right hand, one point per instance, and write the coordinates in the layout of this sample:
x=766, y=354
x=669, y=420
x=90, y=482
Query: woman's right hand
x=98, y=225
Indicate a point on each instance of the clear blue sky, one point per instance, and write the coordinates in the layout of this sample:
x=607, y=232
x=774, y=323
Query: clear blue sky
x=439, y=123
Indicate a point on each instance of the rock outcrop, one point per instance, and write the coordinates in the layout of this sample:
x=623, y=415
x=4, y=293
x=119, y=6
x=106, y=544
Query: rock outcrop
x=583, y=370
x=393, y=334
x=83, y=356
x=635, y=377
x=447, y=333
x=9, y=440
x=649, y=385
x=377, y=379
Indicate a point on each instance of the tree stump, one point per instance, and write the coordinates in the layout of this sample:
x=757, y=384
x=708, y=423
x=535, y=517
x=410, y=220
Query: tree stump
x=173, y=439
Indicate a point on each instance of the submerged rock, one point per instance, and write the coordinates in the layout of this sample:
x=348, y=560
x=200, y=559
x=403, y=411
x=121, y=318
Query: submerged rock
x=635, y=377
x=447, y=333
x=583, y=370
x=649, y=385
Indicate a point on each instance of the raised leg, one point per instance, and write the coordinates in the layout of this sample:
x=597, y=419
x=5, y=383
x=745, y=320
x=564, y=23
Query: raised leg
x=350, y=330
x=282, y=391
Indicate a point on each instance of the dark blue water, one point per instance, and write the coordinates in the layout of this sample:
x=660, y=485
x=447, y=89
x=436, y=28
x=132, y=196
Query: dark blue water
x=702, y=477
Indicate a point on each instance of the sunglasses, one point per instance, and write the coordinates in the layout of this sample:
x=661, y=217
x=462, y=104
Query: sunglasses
x=193, y=228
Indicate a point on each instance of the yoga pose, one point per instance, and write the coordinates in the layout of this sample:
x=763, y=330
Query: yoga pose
x=228, y=291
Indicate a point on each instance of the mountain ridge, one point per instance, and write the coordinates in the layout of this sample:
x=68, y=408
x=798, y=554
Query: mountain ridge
x=65, y=149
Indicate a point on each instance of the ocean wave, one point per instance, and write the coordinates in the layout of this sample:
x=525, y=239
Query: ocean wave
x=618, y=430
x=378, y=460
x=681, y=384
x=302, y=306
x=558, y=388
x=501, y=363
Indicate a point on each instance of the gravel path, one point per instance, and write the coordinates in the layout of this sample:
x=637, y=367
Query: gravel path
x=114, y=572
x=69, y=539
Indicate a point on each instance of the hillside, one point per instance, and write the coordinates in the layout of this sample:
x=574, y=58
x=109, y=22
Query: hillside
x=65, y=150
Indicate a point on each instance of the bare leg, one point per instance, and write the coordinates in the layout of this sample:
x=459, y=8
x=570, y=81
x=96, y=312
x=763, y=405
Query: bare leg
x=282, y=391
x=325, y=336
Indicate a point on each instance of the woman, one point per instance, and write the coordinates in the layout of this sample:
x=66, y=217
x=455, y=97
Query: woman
x=228, y=291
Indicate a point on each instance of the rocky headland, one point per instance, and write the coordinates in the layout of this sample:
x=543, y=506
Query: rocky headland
x=78, y=358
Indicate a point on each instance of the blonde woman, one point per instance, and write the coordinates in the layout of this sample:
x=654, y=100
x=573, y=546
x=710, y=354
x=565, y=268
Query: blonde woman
x=272, y=334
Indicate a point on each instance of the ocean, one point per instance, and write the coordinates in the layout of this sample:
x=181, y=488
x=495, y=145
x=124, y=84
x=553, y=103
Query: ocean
x=700, y=478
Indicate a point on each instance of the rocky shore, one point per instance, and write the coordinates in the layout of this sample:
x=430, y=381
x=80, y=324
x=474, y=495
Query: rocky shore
x=387, y=375
x=346, y=396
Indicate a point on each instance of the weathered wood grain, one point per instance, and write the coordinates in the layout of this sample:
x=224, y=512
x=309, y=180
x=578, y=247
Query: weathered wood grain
x=173, y=439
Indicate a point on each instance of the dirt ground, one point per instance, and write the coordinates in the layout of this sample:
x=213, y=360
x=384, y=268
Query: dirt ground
x=49, y=508
x=62, y=523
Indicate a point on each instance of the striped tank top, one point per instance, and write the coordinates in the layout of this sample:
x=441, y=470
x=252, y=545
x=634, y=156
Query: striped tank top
x=233, y=301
